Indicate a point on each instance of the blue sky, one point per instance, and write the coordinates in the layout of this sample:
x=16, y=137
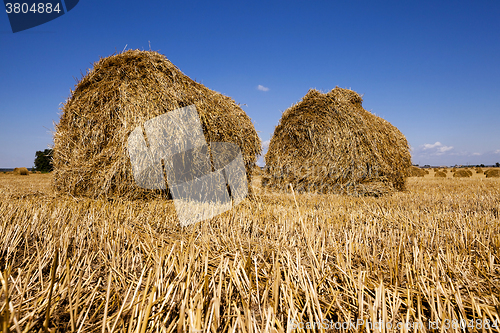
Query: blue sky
x=431, y=68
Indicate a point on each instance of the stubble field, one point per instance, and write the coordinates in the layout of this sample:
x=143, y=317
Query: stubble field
x=427, y=259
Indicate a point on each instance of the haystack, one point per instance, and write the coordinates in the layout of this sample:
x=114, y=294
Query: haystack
x=462, y=173
x=414, y=171
x=440, y=174
x=120, y=93
x=21, y=171
x=479, y=170
x=328, y=143
x=492, y=173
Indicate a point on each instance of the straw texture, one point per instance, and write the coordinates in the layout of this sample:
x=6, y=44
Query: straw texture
x=462, y=173
x=21, y=171
x=328, y=143
x=492, y=173
x=118, y=94
x=414, y=171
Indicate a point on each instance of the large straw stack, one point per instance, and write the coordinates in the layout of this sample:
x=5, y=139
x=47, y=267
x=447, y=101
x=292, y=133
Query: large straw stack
x=120, y=93
x=328, y=143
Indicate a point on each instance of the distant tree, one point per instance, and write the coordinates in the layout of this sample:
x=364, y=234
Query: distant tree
x=43, y=160
x=497, y=165
x=481, y=166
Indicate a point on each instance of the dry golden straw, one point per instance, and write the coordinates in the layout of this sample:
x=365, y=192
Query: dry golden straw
x=21, y=171
x=462, y=173
x=120, y=93
x=430, y=254
x=440, y=174
x=328, y=143
x=493, y=173
x=414, y=171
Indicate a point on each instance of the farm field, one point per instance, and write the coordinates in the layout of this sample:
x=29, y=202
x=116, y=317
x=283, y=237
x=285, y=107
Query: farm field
x=426, y=259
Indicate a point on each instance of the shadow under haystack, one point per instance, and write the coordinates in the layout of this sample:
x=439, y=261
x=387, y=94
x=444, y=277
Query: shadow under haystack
x=120, y=93
x=328, y=143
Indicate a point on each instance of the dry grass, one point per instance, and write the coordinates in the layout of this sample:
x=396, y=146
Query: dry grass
x=441, y=174
x=120, y=93
x=257, y=170
x=462, y=173
x=427, y=254
x=327, y=143
x=414, y=171
x=492, y=173
x=21, y=171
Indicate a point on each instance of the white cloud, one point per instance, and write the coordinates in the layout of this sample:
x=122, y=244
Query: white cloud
x=262, y=88
x=265, y=145
x=430, y=146
x=444, y=149
x=439, y=154
x=438, y=147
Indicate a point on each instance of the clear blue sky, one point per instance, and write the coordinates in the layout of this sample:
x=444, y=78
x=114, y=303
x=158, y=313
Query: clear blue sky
x=431, y=68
